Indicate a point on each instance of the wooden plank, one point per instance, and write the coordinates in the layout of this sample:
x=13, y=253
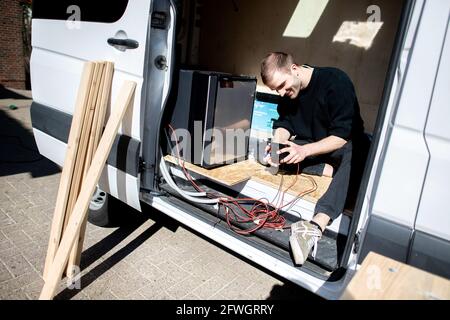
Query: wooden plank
x=69, y=163
x=106, y=97
x=97, y=127
x=124, y=99
x=92, y=128
x=84, y=142
x=84, y=156
x=83, y=148
x=298, y=185
x=382, y=278
x=235, y=173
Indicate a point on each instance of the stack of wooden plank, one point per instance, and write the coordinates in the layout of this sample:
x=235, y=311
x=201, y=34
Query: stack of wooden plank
x=87, y=150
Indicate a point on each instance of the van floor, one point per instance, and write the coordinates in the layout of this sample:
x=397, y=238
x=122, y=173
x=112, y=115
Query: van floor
x=330, y=247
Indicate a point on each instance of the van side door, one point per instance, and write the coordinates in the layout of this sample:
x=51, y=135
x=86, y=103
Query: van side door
x=408, y=205
x=65, y=34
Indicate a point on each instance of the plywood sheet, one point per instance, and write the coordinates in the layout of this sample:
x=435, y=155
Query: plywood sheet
x=296, y=184
x=235, y=173
x=382, y=278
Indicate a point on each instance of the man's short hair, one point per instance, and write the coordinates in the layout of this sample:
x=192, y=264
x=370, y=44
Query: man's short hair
x=275, y=61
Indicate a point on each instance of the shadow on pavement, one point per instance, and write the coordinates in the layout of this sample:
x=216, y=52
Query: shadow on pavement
x=19, y=152
x=290, y=291
x=95, y=252
x=9, y=94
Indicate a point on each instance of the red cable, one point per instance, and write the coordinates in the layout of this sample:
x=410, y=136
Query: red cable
x=264, y=215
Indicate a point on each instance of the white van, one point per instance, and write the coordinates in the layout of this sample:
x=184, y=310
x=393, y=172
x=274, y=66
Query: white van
x=396, y=52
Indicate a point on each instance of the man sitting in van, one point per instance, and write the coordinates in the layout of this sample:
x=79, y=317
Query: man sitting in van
x=320, y=122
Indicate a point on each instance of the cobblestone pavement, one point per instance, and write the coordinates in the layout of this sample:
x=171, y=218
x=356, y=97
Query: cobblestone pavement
x=153, y=258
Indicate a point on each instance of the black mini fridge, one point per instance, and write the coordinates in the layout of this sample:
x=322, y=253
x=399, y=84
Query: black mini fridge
x=212, y=117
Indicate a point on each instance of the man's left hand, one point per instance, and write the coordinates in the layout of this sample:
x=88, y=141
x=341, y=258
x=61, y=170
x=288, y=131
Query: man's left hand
x=297, y=153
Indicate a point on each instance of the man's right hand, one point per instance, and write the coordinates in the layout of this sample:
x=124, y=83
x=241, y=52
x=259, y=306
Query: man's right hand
x=267, y=153
x=280, y=134
x=268, y=158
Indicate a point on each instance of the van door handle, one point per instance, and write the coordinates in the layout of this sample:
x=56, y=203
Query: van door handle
x=123, y=43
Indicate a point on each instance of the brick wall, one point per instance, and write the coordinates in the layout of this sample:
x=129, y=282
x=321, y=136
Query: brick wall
x=12, y=64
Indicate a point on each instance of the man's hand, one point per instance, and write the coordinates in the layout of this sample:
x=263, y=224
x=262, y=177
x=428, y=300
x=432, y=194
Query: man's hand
x=268, y=158
x=297, y=153
x=280, y=134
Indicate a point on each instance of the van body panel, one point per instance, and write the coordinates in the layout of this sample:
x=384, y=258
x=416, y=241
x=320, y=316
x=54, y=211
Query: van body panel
x=159, y=67
x=409, y=219
x=431, y=254
x=418, y=87
x=59, y=37
x=52, y=148
x=406, y=154
x=120, y=185
x=392, y=94
x=51, y=121
x=406, y=157
x=124, y=154
x=387, y=238
x=433, y=217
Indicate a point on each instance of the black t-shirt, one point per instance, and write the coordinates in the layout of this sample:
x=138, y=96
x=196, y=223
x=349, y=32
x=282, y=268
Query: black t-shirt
x=327, y=106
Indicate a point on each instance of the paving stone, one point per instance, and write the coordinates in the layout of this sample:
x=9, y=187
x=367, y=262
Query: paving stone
x=156, y=286
x=135, y=296
x=211, y=287
x=134, y=280
x=19, y=217
x=8, y=253
x=217, y=296
x=37, y=263
x=237, y=288
x=19, y=282
x=18, y=238
x=150, y=271
x=182, y=257
x=173, y=270
x=121, y=288
x=106, y=295
x=184, y=287
x=216, y=268
x=18, y=294
x=34, y=289
x=191, y=296
x=17, y=265
x=5, y=274
x=261, y=290
x=96, y=287
x=163, y=295
x=5, y=245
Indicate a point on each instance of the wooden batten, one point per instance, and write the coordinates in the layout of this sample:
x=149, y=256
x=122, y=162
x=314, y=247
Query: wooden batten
x=79, y=212
x=94, y=137
x=69, y=165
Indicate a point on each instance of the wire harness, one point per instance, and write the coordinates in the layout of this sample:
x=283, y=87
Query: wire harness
x=262, y=212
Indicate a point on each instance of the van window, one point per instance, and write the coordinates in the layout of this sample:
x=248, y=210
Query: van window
x=107, y=11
